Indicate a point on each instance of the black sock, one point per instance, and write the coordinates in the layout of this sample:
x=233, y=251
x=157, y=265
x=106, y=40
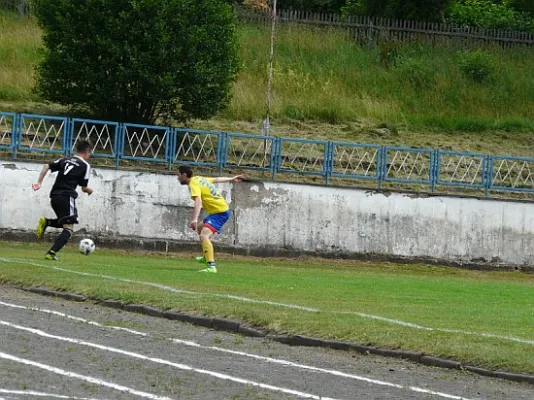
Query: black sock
x=54, y=223
x=61, y=240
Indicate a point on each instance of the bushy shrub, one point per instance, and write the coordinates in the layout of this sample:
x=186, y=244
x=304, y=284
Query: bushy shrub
x=476, y=66
x=490, y=15
x=138, y=61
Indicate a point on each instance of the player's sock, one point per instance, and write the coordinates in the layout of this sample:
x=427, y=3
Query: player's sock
x=209, y=253
x=61, y=240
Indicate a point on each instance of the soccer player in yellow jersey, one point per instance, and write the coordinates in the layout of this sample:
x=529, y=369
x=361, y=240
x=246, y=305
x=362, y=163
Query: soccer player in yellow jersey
x=205, y=195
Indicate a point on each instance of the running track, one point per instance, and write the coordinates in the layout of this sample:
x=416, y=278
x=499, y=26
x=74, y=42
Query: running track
x=55, y=349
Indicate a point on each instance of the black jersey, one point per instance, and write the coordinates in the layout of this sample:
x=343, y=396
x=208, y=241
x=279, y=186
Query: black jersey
x=72, y=172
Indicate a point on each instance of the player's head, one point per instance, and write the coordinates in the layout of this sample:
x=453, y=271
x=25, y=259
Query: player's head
x=185, y=173
x=84, y=149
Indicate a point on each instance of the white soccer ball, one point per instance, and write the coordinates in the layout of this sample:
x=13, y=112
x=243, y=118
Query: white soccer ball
x=87, y=246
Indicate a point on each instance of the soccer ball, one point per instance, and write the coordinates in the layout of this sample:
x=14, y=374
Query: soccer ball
x=87, y=246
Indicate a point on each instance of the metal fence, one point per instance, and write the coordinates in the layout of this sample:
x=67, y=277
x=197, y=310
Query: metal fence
x=23, y=135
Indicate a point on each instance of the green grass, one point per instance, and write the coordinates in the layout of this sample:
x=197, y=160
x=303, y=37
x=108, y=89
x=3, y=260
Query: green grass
x=327, y=86
x=20, y=50
x=321, y=75
x=483, y=302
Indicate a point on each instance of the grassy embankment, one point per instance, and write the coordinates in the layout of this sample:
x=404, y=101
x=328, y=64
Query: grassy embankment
x=326, y=86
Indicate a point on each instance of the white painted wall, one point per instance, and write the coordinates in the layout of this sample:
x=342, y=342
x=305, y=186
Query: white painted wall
x=278, y=217
x=124, y=204
x=349, y=221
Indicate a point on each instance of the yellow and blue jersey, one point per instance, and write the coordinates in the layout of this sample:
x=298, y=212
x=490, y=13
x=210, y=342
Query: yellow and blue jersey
x=212, y=200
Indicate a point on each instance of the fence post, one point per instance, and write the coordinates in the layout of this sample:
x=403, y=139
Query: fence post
x=21, y=8
x=169, y=148
x=329, y=161
x=434, y=165
x=277, y=146
x=68, y=137
x=488, y=175
x=116, y=139
x=15, y=139
x=120, y=143
x=222, y=151
x=382, y=165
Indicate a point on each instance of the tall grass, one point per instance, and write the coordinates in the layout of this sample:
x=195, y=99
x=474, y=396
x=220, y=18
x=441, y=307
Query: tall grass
x=20, y=50
x=321, y=75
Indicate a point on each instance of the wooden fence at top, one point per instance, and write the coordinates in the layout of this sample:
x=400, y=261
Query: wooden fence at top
x=367, y=30
x=374, y=30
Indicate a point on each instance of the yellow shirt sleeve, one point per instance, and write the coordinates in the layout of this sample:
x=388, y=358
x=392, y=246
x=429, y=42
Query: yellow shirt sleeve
x=194, y=188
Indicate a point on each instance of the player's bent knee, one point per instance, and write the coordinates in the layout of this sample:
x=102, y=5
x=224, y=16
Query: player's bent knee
x=69, y=227
x=205, y=234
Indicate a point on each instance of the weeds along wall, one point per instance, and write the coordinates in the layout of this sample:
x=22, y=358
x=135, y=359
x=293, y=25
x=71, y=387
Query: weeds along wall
x=152, y=211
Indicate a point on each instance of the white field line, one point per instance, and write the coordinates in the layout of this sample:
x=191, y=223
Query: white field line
x=183, y=367
x=89, y=379
x=239, y=353
x=41, y=394
x=284, y=305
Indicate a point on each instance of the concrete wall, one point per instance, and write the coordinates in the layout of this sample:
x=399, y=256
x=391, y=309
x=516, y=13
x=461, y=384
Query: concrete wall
x=144, y=209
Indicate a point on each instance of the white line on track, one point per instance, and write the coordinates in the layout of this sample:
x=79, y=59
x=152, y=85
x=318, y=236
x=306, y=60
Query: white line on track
x=267, y=302
x=183, y=367
x=89, y=379
x=41, y=394
x=239, y=353
x=71, y=317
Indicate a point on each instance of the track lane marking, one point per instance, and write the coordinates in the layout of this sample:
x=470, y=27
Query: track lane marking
x=239, y=353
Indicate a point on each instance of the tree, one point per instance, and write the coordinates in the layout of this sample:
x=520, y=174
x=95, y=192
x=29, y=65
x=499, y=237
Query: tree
x=138, y=60
x=490, y=14
x=523, y=6
x=424, y=10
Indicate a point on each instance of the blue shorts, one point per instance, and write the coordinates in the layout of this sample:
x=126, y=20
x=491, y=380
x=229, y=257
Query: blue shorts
x=215, y=222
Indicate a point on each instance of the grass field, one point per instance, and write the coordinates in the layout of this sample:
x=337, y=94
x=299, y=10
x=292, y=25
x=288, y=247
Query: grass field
x=327, y=86
x=485, y=318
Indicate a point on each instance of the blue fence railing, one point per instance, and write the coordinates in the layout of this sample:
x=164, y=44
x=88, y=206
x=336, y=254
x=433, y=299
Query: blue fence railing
x=27, y=133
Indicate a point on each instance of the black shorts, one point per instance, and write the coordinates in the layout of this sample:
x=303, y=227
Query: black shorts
x=65, y=209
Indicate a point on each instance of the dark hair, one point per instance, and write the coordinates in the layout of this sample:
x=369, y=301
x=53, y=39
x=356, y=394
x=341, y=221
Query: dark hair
x=83, y=145
x=186, y=169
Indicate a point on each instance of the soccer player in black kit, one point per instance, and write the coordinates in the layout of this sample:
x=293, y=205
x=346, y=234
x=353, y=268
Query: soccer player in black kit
x=72, y=172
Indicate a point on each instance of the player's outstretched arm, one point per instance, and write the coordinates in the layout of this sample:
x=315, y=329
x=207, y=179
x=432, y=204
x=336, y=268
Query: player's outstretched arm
x=235, y=179
x=44, y=171
x=87, y=190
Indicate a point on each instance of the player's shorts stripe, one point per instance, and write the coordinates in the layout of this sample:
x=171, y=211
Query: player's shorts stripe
x=72, y=206
x=211, y=228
